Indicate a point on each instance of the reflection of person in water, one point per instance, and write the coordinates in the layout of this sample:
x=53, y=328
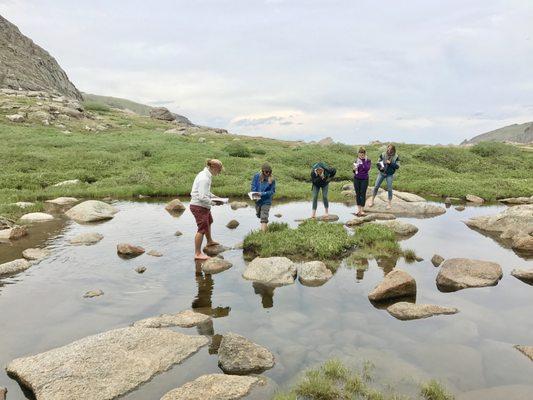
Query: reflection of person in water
x=266, y=292
x=387, y=264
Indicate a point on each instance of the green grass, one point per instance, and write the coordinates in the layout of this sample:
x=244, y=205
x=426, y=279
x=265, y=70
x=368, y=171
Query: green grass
x=433, y=390
x=134, y=156
x=96, y=106
x=409, y=255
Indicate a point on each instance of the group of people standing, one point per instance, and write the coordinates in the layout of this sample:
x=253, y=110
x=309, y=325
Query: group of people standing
x=263, y=187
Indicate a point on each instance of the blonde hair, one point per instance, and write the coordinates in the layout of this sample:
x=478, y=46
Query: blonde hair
x=362, y=150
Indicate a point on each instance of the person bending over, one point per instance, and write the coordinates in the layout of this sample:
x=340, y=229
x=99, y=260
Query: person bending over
x=264, y=183
x=321, y=175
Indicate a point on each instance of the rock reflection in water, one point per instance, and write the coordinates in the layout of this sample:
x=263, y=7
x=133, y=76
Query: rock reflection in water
x=387, y=264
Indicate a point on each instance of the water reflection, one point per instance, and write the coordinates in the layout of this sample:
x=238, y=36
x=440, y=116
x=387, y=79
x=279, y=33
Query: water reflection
x=202, y=303
x=266, y=292
x=387, y=264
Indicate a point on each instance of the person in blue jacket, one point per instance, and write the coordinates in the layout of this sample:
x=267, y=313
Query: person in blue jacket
x=388, y=164
x=263, y=182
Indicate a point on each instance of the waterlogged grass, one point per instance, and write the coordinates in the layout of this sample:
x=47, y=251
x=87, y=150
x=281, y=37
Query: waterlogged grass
x=409, y=255
x=335, y=381
x=374, y=240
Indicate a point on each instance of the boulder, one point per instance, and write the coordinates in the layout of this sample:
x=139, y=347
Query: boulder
x=35, y=254
x=525, y=350
x=183, y=319
x=517, y=200
x=402, y=230
x=103, y=366
x=460, y=273
x=86, y=239
x=525, y=275
x=214, y=387
x=129, y=250
x=523, y=243
x=328, y=218
x=93, y=293
x=161, y=113
x=215, y=250
x=14, y=233
x=63, y=201
x=178, y=233
x=409, y=197
x=232, y=224
x=238, y=204
x=400, y=207
x=406, y=311
x=215, y=265
x=175, y=206
x=140, y=270
x=275, y=271
x=437, y=260
x=91, y=211
x=368, y=218
x=240, y=356
x=36, y=217
x=396, y=283
x=278, y=215
x=14, y=267
x=69, y=182
x=155, y=253
x=474, y=199
x=16, y=118
x=348, y=193
x=313, y=273
x=460, y=208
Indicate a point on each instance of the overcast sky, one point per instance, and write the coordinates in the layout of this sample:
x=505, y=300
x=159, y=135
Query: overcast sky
x=421, y=71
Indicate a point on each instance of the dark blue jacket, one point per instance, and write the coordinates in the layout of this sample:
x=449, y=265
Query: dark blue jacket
x=391, y=168
x=266, y=189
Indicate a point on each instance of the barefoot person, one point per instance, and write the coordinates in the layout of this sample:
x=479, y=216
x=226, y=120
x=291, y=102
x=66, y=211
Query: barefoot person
x=201, y=201
x=263, y=182
x=388, y=163
x=321, y=175
x=361, y=166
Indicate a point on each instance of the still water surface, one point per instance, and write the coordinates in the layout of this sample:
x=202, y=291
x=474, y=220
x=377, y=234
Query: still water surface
x=43, y=307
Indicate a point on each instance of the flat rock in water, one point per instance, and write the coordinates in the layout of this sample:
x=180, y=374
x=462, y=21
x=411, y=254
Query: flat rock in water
x=155, y=253
x=278, y=215
x=63, y=201
x=175, y=206
x=461, y=273
x=474, y=199
x=232, y=224
x=93, y=293
x=402, y=230
x=240, y=356
x=91, y=211
x=369, y=218
x=525, y=350
x=525, y=275
x=396, y=283
x=129, y=250
x=407, y=311
x=36, y=217
x=275, y=271
x=86, y=239
x=238, y=204
x=215, y=265
x=437, y=260
x=409, y=197
x=328, y=218
x=517, y=200
x=313, y=273
x=460, y=208
x=399, y=207
x=215, y=250
x=183, y=319
x=214, y=387
x=14, y=233
x=14, y=267
x=35, y=254
x=103, y=366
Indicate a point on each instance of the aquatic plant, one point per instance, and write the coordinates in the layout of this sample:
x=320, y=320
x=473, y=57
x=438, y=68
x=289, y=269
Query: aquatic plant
x=409, y=255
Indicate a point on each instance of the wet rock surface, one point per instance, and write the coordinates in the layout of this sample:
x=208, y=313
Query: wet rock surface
x=232, y=224
x=402, y=230
x=474, y=199
x=461, y=273
x=91, y=211
x=525, y=275
x=437, y=260
x=86, y=239
x=175, y=206
x=183, y=319
x=129, y=250
x=215, y=250
x=240, y=356
x=14, y=233
x=35, y=254
x=235, y=205
x=407, y=311
x=215, y=266
x=103, y=366
x=276, y=271
x=414, y=206
x=14, y=267
x=214, y=387
x=396, y=284
x=93, y=293
x=313, y=273
x=36, y=217
x=155, y=253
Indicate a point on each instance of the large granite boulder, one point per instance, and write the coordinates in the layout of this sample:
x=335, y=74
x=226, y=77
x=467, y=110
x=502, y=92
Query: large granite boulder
x=525, y=275
x=36, y=217
x=175, y=206
x=313, y=273
x=396, y=284
x=215, y=250
x=402, y=230
x=86, y=239
x=461, y=273
x=275, y=271
x=406, y=208
x=512, y=227
x=474, y=199
x=103, y=366
x=62, y=201
x=14, y=267
x=214, y=387
x=161, y=113
x=405, y=196
x=240, y=356
x=91, y=211
x=184, y=319
x=406, y=311
x=215, y=265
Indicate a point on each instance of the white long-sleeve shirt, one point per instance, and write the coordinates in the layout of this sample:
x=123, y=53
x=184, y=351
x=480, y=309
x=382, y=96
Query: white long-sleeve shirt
x=201, y=189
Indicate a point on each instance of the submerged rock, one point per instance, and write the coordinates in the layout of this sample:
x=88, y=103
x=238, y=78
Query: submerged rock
x=183, y=319
x=275, y=271
x=232, y=224
x=215, y=265
x=215, y=250
x=3, y=393
x=35, y=254
x=14, y=233
x=407, y=311
x=240, y=356
x=461, y=273
x=214, y=387
x=238, y=204
x=36, y=217
x=103, y=366
x=525, y=275
x=460, y=208
x=178, y=233
x=91, y=211
x=437, y=260
x=175, y=206
x=313, y=273
x=525, y=350
x=155, y=253
x=86, y=239
x=396, y=283
x=403, y=230
x=63, y=201
x=129, y=250
x=14, y=267
x=140, y=270
x=93, y=293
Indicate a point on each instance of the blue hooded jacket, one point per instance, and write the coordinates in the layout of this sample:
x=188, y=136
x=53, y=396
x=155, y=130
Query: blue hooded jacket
x=266, y=189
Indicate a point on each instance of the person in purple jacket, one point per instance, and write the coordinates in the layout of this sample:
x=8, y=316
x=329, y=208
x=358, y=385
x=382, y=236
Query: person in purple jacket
x=361, y=166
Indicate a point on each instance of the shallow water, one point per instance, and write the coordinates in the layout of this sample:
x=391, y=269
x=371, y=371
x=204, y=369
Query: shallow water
x=43, y=307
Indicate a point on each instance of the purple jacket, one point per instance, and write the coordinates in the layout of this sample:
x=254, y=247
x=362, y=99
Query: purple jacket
x=362, y=170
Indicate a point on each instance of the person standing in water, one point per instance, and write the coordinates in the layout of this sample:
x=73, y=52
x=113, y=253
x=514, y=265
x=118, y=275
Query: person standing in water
x=388, y=163
x=201, y=201
x=263, y=182
x=361, y=166
x=321, y=176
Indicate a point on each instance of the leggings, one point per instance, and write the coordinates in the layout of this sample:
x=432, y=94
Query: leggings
x=316, y=189
x=360, y=186
x=380, y=180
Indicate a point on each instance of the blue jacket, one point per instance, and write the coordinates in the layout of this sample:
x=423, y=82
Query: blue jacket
x=266, y=189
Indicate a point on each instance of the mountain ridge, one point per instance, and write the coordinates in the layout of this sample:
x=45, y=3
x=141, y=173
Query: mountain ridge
x=516, y=133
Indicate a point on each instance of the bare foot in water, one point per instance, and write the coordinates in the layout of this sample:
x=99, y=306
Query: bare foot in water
x=201, y=257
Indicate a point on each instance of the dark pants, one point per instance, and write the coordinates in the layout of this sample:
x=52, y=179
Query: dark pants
x=316, y=189
x=360, y=186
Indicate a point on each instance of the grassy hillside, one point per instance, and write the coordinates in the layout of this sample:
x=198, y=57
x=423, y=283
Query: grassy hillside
x=116, y=102
x=134, y=156
x=519, y=133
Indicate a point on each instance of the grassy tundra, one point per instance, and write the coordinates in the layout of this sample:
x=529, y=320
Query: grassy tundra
x=134, y=156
